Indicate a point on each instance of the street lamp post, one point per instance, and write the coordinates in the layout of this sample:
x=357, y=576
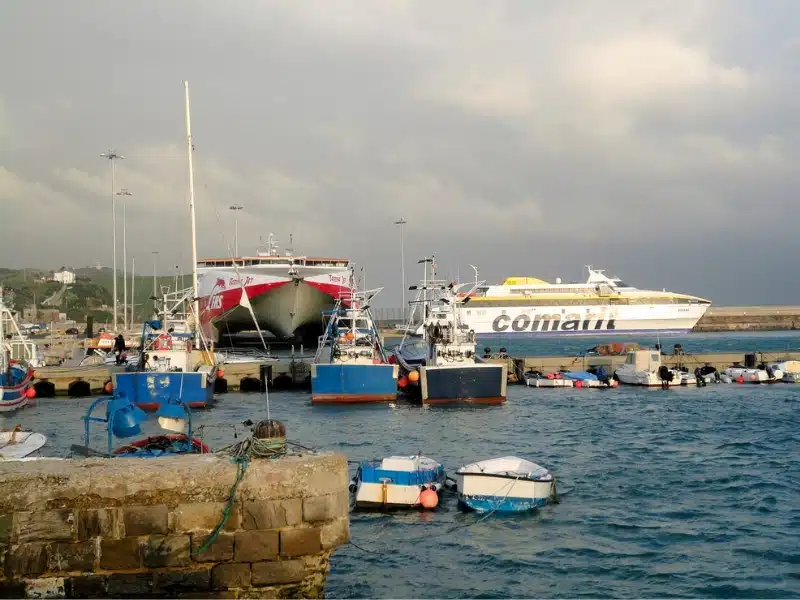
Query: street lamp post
x=236, y=208
x=124, y=192
x=111, y=155
x=155, y=292
x=402, y=222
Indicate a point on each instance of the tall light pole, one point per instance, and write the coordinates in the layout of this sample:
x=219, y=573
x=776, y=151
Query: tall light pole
x=236, y=208
x=124, y=192
x=155, y=291
x=111, y=155
x=402, y=222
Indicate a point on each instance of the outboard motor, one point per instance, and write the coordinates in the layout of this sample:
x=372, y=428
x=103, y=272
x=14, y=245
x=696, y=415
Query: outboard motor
x=665, y=375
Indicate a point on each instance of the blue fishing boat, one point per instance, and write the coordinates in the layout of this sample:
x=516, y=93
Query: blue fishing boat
x=398, y=482
x=351, y=364
x=123, y=419
x=171, y=366
x=16, y=374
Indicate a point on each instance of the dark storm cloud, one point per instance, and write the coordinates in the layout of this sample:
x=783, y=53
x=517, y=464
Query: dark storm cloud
x=652, y=138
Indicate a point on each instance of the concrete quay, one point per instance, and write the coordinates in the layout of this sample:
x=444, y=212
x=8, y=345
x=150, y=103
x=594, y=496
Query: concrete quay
x=284, y=373
x=98, y=527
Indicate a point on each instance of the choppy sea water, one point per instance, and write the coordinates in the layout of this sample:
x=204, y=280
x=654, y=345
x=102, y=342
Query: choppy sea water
x=687, y=492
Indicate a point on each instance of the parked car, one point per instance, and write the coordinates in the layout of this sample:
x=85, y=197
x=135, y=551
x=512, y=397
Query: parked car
x=72, y=331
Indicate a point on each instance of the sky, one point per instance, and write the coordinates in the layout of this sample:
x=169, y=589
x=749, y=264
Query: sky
x=653, y=138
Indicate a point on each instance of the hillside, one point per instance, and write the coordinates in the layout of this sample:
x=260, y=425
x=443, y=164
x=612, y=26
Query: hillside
x=91, y=294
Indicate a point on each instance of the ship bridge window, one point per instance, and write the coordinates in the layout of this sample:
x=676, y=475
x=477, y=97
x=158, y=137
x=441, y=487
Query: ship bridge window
x=620, y=284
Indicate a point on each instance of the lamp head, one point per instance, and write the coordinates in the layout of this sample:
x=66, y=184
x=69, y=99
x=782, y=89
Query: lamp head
x=124, y=417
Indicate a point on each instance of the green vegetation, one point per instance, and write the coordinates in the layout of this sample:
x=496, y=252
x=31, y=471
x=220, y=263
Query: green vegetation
x=91, y=294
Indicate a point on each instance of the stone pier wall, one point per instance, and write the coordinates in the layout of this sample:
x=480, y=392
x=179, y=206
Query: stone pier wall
x=131, y=527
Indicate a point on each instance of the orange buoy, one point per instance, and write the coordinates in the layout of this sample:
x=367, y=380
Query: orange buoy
x=428, y=498
x=413, y=377
x=740, y=379
x=220, y=373
x=108, y=387
x=403, y=381
x=31, y=393
x=579, y=384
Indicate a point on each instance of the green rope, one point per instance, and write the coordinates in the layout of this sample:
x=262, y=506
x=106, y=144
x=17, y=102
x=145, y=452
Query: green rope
x=241, y=454
x=241, y=463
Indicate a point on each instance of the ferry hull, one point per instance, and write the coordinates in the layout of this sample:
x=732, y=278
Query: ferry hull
x=148, y=389
x=353, y=384
x=503, y=322
x=463, y=384
x=282, y=303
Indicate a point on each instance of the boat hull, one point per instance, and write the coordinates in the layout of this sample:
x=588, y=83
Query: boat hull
x=148, y=389
x=389, y=488
x=476, y=383
x=19, y=444
x=14, y=392
x=502, y=322
x=282, y=303
x=353, y=384
x=502, y=493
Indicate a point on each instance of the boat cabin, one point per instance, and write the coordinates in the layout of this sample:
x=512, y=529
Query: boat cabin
x=644, y=360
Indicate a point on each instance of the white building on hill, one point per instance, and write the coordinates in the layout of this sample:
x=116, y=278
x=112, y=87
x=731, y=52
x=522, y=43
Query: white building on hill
x=64, y=276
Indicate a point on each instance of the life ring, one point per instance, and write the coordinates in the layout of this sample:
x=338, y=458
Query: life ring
x=163, y=342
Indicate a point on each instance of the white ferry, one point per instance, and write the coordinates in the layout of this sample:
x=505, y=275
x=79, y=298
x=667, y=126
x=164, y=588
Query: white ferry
x=526, y=306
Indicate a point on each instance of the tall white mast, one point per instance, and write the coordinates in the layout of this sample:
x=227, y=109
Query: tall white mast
x=190, y=149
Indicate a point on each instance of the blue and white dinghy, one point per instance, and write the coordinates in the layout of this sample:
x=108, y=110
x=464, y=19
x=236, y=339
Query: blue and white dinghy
x=398, y=482
x=507, y=484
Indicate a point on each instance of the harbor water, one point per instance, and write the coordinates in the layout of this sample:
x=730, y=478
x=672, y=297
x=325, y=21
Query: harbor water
x=686, y=492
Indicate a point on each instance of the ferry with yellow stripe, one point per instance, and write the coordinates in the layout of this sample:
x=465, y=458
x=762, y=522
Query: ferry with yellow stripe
x=526, y=306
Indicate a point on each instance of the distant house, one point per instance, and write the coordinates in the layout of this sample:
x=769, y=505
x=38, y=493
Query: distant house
x=64, y=276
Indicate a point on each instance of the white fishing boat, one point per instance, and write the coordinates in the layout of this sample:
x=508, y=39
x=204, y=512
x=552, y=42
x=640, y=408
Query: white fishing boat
x=507, y=484
x=16, y=444
x=643, y=367
x=398, y=482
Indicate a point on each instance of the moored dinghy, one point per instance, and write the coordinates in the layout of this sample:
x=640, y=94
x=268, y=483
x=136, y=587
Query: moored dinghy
x=507, y=484
x=398, y=482
x=18, y=443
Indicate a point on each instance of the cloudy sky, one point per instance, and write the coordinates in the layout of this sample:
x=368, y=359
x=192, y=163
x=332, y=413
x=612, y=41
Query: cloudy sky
x=655, y=138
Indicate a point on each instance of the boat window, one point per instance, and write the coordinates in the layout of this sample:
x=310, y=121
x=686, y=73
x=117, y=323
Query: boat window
x=620, y=284
x=654, y=357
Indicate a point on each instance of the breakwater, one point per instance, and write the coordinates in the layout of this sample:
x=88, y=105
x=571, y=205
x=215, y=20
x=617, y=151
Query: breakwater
x=136, y=528
x=749, y=318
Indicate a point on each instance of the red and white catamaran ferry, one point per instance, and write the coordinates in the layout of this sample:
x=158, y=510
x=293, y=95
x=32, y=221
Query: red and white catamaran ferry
x=287, y=293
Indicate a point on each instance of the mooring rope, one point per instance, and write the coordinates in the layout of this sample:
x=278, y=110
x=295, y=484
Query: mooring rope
x=241, y=454
x=241, y=465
